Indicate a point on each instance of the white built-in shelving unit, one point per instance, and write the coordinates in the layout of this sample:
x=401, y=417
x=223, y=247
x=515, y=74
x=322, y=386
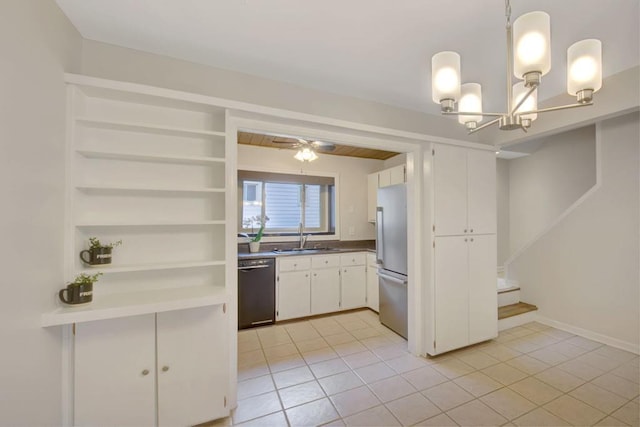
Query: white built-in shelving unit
x=148, y=168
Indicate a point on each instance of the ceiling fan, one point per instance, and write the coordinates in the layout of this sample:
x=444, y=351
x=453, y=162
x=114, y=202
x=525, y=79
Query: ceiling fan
x=307, y=149
x=303, y=143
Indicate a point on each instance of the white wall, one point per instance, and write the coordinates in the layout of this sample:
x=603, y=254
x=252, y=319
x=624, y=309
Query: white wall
x=545, y=183
x=353, y=181
x=502, y=199
x=585, y=271
x=38, y=44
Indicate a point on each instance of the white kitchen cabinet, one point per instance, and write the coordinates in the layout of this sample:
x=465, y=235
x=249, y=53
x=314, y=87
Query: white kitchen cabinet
x=321, y=284
x=481, y=185
x=464, y=182
x=353, y=287
x=397, y=175
x=465, y=291
x=325, y=290
x=372, y=283
x=114, y=365
x=192, y=366
x=118, y=361
x=384, y=178
x=483, y=298
x=294, y=294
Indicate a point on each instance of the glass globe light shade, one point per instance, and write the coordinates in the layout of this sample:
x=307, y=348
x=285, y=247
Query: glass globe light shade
x=531, y=44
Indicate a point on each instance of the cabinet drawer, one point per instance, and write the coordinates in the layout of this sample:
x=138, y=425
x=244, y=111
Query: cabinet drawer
x=371, y=260
x=296, y=263
x=325, y=261
x=356, y=258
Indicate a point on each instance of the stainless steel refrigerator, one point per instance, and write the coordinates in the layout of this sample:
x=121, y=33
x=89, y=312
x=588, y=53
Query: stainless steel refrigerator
x=391, y=254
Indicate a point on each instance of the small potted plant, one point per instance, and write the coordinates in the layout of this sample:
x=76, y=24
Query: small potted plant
x=98, y=253
x=80, y=291
x=254, y=242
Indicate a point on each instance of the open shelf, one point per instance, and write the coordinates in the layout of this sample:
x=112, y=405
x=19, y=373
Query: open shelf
x=148, y=223
x=112, y=155
x=136, y=303
x=121, y=188
x=110, y=268
x=146, y=128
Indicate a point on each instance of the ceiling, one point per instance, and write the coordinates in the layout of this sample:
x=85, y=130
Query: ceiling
x=377, y=50
x=340, y=150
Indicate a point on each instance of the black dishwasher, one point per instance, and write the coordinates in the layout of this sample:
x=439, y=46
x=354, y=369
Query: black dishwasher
x=256, y=292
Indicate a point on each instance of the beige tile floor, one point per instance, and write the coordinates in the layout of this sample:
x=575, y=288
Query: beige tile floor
x=348, y=369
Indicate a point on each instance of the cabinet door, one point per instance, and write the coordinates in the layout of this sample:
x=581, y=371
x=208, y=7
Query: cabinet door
x=325, y=290
x=483, y=298
x=451, y=293
x=115, y=372
x=294, y=295
x=372, y=196
x=372, y=286
x=397, y=175
x=384, y=178
x=450, y=190
x=481, y=172
x=353, y=289
x=193, y=365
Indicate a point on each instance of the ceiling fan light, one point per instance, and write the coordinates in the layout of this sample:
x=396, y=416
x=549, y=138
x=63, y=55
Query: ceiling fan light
x=306, y=155
x=445, y=77
x=531, y=103
x=470, y=101
x=532, y=44
x=584, y=70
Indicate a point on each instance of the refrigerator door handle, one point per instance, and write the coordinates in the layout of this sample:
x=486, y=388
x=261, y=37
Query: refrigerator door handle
x=379, y=235
x=392, y=279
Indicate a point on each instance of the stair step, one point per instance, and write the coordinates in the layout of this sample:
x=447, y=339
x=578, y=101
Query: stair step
x=515, y=309
x=507, y=290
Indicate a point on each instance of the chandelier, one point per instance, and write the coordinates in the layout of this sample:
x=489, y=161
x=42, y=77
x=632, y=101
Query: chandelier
x=306, y=154
x=528, y=59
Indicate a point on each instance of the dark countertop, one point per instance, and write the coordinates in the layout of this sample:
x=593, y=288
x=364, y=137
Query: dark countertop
x=278, y=254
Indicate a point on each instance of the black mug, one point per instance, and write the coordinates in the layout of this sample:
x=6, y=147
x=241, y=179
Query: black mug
x=96, y=256
x=77, y=293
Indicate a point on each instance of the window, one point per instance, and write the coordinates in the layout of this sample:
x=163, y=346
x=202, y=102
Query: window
x=287, y=200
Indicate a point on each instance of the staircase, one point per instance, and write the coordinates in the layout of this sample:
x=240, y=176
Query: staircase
x=511, y=311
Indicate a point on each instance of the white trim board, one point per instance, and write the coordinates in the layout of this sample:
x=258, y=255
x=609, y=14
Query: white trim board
x=585, y=333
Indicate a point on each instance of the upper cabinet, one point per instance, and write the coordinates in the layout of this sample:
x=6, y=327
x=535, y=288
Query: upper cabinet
x=384, y=178
x=464, y=191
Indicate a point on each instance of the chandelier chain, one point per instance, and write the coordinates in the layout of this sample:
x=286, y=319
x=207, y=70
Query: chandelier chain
x=507, y=12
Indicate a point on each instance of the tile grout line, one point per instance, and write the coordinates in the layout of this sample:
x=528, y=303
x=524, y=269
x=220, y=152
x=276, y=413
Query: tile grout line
x=458, y=358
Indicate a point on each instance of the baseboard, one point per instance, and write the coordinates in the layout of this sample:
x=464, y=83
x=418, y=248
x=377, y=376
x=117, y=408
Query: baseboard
x=519, y=320
x=604, y=339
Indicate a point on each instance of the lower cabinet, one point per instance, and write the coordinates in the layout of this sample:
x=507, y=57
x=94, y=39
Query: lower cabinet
x=325, y=290
x=353, y=292
x=466, y=307
x=294, y=294
x=320, y=284
x=373, y=293
x=169, y=368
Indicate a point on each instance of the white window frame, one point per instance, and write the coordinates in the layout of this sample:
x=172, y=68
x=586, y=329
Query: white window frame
x=317, y=237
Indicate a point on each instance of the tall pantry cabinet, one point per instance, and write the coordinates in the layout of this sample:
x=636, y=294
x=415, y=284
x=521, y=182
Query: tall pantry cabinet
x=151, y=167
x=464, y=247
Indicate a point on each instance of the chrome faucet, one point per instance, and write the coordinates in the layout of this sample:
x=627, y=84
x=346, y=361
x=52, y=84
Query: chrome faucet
x=303, y=238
